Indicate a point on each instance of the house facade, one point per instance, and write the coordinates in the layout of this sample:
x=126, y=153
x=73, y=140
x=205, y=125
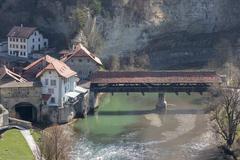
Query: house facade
x=22, y=41
x=82, y=61
x=56, y=77
x=56, y=87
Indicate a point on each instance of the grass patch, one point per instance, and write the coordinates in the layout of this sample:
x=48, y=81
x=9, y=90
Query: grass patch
x=14, y=147
x=36, y=135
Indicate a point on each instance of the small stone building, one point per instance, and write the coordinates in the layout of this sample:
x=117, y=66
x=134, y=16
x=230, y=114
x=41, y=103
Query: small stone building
x=20, y=97
x=82, y=61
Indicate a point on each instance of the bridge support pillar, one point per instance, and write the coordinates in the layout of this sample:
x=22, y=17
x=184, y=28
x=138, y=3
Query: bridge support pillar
x=162, y=103
x=93, y=102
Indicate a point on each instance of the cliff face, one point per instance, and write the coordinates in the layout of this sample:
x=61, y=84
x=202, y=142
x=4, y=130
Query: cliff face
x=167, y=30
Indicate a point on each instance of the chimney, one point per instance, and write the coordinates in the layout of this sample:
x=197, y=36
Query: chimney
x=21, y=25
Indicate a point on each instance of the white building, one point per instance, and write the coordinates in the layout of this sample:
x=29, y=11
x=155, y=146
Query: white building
x=22, y=41
x=57, y=79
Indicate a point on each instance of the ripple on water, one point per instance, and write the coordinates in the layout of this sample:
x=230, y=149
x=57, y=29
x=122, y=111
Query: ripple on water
x=88, y=150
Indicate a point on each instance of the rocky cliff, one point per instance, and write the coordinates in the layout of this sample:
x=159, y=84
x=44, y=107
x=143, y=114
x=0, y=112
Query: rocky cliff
x=171, y=32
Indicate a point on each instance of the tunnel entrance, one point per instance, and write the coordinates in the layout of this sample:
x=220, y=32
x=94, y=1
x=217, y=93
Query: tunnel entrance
x=26, y=111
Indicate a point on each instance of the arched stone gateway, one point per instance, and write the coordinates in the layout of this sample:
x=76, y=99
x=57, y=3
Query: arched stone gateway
x=26, y=111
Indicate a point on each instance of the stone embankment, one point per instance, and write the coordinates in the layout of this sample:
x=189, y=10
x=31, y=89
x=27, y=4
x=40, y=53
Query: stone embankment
x=3, y=117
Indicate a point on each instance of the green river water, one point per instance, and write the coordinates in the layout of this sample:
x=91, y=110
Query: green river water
x=128, y=127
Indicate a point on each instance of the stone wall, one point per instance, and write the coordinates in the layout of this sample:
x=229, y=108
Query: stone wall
x=3, y=117
x=62, y=114
x=11, y=96
x=84, y=66
x=19, y=122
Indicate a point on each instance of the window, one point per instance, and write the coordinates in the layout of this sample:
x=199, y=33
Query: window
x=16, y=46
x=10, y=52
x=21, y=46
x=13, y=46
x=13, y=39
x=32, y=47
x=88, y=60
x=16, y=39
x=80, y=60
x=24, y=53
x=24, y=40
x=52, y=100
x=39, y=47
x=35, y=33
x=33, y=40
x=50, y=91
x=50, y=72
x=45, y=44
x=53, y=82
x=46, y=81
x=38, y=39
x=24, y=46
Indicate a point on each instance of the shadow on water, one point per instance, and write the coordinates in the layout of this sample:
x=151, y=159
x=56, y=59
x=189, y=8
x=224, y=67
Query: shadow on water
x=212, y=154
x=143, y=112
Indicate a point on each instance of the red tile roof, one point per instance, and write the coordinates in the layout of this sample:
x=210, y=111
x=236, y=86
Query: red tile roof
x=21, y=32
x=52, y=64
x=81, y=51
x=5, y=71
x=156, y=77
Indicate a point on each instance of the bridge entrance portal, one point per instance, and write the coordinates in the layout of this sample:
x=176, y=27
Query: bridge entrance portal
x=26, y=111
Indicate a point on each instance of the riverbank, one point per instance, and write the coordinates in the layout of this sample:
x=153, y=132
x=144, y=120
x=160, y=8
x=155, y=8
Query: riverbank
x=14, y=147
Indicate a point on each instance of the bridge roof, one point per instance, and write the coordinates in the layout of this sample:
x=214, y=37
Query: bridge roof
x=209, y=77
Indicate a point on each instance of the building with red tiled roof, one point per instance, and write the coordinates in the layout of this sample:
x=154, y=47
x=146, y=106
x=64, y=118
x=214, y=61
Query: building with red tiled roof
x=82, y=61
x=56, y=77
x=22, y=41
x=7, y=75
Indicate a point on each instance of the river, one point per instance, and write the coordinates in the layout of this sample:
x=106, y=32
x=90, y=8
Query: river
x=128, y=128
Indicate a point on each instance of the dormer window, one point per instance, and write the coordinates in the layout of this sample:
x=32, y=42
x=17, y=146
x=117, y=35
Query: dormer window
x=35, y=33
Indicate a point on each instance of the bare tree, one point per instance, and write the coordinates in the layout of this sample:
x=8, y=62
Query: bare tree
x=55, y=144
x=226, y=114
x=114, y=62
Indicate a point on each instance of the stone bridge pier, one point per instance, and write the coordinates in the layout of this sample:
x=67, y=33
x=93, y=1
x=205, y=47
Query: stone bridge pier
x=162, y=103
x=93, y=102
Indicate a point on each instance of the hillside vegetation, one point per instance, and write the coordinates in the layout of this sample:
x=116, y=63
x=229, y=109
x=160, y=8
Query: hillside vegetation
x=172, y=33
